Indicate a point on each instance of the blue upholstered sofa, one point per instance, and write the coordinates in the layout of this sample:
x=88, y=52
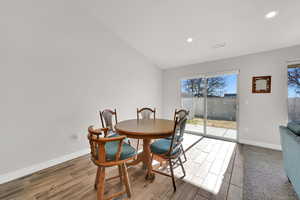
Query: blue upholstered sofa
x=290, y=141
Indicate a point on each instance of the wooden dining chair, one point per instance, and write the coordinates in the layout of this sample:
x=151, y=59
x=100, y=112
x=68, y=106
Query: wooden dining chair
x=181, y=113
x=144, y=113
x=107, y=121
x=170, y=149
x=106, y=117
x=109, y=152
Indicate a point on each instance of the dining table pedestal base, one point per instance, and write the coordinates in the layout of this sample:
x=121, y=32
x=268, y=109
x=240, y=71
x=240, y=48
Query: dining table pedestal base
x=145, y=157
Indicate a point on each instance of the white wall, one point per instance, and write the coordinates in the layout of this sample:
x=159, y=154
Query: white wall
x=59, y=66
x=259, y=114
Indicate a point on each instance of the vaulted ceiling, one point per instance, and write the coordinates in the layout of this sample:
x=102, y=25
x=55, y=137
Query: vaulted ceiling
x=159, y=28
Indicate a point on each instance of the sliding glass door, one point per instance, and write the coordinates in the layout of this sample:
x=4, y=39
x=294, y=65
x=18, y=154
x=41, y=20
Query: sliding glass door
x=212, y=102
x=192, y=99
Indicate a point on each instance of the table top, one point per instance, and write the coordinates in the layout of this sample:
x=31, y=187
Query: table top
x=145, y=128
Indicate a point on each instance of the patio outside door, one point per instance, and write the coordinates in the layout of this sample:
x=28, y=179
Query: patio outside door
x=213, y=104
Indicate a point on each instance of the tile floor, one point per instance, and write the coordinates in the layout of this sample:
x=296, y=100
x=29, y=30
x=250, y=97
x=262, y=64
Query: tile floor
x=207, y=162
x=214, y=131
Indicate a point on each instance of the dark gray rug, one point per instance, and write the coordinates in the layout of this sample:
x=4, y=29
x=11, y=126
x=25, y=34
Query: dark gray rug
x=264, y=176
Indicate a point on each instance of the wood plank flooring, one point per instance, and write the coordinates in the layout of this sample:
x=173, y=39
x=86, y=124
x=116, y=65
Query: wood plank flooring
x=75, y=180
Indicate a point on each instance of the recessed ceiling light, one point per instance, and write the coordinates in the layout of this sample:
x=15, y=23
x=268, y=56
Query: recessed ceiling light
x=189, y=40
x=271, y=14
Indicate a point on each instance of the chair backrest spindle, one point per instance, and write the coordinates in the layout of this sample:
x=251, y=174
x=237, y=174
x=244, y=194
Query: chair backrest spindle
x=180, y=118
x=106, y=118
x=146, y=113
x=180, y=113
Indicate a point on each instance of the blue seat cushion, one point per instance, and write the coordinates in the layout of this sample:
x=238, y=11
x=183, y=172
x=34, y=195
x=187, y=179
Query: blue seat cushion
x=162, y=146
x=294, y=127
x=114, y=134
x=111, y=149
x=177, y=137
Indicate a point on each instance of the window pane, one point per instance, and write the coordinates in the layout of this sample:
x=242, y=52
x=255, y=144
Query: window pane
x=221, y=106
x=192, y=99
x=294, y=94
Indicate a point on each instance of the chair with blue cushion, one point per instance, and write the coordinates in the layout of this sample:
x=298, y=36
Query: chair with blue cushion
x=171, y=149
x=144, y=113
x=181, y=114
x=106, y=117
x=109, y=152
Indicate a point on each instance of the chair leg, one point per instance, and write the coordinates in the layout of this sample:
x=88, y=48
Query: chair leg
x=126, y=180
x=97, y=178
x=185, y=159
x=152, y=158
x=120, y=173
x=137, y=146
x=181, y=164
x=172, y=174
x=101, y=183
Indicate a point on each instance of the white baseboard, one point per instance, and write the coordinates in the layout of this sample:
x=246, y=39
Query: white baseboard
x=260, y=144
x=37, y=167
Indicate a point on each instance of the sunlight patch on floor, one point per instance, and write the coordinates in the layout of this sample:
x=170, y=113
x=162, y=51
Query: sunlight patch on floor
x=213, y=131
x=207, y=162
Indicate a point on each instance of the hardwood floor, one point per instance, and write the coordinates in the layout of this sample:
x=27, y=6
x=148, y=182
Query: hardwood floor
x=75, y=180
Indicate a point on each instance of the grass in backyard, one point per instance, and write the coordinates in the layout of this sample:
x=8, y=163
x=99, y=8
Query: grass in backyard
x=213, y=123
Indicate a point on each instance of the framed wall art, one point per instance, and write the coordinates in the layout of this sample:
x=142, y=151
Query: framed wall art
x=261, y=84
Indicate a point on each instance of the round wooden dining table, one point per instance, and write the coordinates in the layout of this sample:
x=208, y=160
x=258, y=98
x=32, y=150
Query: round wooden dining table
x=145, y=129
